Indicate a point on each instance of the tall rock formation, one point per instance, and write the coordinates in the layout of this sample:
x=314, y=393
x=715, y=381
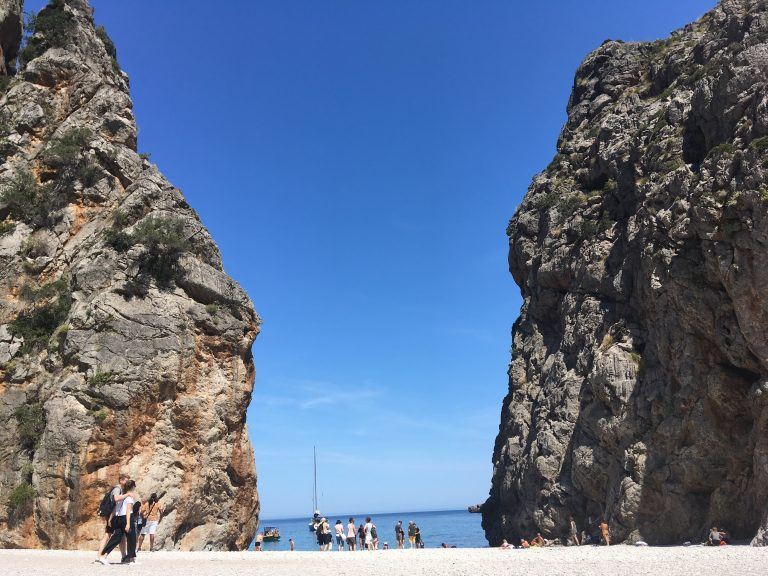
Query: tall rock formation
x=638, y=387
x=124, y=346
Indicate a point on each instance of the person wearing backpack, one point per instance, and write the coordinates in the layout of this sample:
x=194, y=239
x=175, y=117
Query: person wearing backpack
x=124, y=526
x=107, y=509
x=151, y=514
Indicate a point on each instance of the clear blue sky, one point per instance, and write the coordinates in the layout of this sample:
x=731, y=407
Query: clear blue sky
x=357, y=163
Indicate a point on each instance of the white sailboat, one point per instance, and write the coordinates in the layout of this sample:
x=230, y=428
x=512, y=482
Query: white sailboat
x=316, y=516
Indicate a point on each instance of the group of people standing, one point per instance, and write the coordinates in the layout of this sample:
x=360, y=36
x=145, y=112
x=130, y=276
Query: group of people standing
x=367, y=534
x=127, y=521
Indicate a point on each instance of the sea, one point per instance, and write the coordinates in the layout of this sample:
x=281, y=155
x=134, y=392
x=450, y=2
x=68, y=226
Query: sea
x=454, y=527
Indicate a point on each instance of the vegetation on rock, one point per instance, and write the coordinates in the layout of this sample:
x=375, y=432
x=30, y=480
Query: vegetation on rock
x=27, y=200
x=52, y=27
x=21, y=496
x=164, y=241
x=30, y=422
x=49, y=307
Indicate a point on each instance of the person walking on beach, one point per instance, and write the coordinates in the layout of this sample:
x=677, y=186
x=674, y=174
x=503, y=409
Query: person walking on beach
x=574, y=531
x=351, y=539
x=368, y=535
x=124, y=526
x=107, y=511
x=292, y=544
x=399, y=534
x=340, y=535
x=151, y=512
x=259, y=541
x=411, y=534
x=604, y=531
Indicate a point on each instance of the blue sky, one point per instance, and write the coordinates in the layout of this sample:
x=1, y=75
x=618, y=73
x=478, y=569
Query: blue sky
x=357, y=163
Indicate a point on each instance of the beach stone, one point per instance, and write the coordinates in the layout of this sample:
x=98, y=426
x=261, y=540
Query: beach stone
x=139, y=373
x=637, y=388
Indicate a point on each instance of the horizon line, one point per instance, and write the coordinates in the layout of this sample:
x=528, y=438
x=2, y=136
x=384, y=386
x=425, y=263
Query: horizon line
x=345, y=515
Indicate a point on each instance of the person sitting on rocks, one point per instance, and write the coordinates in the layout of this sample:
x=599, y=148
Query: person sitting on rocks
x=505, y=545
x=538, y=541
x=716, y=537
x=524, y=543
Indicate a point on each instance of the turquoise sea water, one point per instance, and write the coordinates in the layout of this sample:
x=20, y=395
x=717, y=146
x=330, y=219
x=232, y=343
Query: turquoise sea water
x=456, y=527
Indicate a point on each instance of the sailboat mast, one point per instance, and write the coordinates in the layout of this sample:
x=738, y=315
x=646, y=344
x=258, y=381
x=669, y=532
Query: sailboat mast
x=314, y=493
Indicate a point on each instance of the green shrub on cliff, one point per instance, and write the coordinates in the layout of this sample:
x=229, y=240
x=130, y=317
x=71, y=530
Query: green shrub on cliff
x=52, y=27
x=164, y=241
x=6, y=228
x=67, y=154
x=21, y=496
x=109, y=46
x=66, y=149
x=101, y=378
x=49, y=308
x=760, y=144
x=27, y=200
x=30, y=422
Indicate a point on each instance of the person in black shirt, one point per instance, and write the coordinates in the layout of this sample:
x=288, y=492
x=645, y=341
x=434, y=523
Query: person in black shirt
x=399, y=534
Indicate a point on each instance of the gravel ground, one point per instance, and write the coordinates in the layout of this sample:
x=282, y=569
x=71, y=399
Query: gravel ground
x=587, y=561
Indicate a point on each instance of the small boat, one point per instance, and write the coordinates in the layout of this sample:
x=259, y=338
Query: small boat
x=476, y=509
x=271, y=534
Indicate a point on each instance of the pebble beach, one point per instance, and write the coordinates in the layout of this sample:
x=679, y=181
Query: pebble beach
x=587, y=561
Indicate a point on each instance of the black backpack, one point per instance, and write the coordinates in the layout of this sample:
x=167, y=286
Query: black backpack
x=137, y=517
x=107, y=504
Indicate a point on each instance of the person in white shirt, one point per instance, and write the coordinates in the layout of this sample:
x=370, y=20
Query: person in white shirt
x=124, y=525
x=117, y=496
x=368, y=535
x=339, y=535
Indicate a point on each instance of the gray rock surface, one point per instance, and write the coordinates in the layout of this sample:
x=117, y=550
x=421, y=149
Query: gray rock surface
x=638, y=387
x=124, y=346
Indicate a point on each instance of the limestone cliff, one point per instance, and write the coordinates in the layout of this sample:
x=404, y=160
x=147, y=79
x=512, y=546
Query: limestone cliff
x=124, y=346
x=638, y=384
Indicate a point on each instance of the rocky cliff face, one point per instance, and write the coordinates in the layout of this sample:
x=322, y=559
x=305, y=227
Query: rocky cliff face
x=638, y=384
x=124, y=346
